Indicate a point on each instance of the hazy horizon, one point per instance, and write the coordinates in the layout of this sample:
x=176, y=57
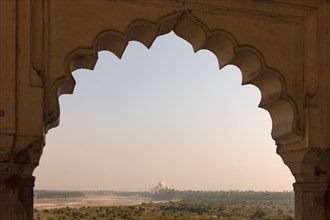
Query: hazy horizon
x=162, y=114
x=128, y=191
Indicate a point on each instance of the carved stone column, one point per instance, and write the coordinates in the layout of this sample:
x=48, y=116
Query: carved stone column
x=310, y=167
x=16, y=180
x=16, y=200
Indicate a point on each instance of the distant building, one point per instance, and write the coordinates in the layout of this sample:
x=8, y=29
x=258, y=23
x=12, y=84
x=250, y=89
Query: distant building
x=160, y=188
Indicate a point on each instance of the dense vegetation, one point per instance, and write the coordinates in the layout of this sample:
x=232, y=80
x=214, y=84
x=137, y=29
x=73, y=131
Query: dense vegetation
x=41, y=194
x=193, y=205
x=232, y=195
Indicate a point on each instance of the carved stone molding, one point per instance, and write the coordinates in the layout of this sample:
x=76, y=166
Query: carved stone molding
x=224, y=45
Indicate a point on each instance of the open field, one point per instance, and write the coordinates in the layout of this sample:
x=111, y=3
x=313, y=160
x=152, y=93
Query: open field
x=191, y=205
x=89, y=200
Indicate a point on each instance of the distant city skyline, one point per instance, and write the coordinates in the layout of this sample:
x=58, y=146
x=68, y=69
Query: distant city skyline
x=162, y=114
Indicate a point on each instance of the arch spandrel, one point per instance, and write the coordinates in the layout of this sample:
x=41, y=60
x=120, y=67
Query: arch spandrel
x=252, y=63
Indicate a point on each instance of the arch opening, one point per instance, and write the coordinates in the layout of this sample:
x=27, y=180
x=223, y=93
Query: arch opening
x=231, y=131
x=248, y=59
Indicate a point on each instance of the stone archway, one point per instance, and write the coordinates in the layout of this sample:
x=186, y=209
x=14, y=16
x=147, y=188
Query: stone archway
x=250, y=61
x=282, y=47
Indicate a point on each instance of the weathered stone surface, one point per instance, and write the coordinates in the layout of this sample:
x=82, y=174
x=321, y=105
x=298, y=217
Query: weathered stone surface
x=282, y=47
x=16, y=201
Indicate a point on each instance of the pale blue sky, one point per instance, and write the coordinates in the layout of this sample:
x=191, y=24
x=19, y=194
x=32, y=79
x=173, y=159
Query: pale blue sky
x=162, y=114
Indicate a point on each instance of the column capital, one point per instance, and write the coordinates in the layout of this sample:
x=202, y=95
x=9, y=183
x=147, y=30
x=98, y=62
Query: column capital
x=308, y=164
x=23, y=157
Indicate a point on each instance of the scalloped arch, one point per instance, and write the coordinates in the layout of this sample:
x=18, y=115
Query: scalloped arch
x=248, y=59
